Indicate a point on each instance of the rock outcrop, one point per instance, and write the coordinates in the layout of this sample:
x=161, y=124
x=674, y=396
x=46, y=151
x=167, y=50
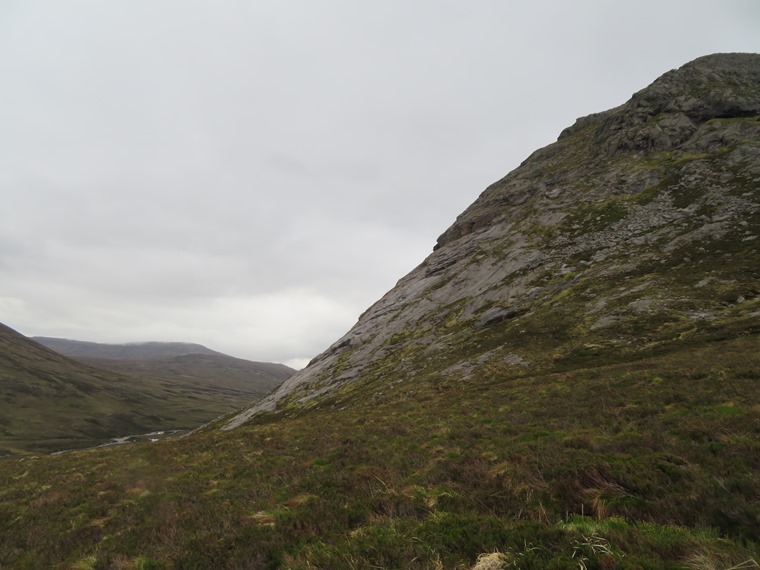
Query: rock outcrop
x=638, y=228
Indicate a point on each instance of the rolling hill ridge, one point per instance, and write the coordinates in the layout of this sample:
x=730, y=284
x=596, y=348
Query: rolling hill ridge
x=191, y=367
x=133, y=350
x=49, y=402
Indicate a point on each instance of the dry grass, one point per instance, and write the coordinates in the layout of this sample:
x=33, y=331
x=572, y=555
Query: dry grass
x=491, y=561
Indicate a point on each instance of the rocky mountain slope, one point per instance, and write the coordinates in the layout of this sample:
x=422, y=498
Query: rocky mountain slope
x=637, y=230
x=570, y=380
x=49, y=402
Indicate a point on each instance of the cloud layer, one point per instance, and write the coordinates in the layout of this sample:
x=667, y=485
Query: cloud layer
x=252, y=175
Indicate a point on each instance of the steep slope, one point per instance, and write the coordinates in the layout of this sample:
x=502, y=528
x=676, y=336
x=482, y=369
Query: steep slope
x=636, y=232
x=49, y=402
x=569, y=381
x=192, y=368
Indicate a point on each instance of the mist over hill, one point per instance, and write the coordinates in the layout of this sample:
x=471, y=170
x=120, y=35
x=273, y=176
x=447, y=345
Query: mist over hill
x=132, y=350
x=189, y=365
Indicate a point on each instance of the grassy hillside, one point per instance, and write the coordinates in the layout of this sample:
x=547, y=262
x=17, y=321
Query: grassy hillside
x=234, y=379
x=649, y=463
x=49, y=402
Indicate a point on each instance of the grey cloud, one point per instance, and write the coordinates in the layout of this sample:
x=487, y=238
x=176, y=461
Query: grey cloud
x=253, y=175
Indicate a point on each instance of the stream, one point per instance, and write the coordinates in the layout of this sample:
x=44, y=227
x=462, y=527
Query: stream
x=152, y=437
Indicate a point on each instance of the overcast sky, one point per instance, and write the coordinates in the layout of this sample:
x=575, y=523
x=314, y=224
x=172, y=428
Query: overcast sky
x=252, y=175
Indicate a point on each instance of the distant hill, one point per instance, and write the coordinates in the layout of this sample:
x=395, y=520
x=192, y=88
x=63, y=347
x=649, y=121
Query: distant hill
x=132, y=350
x=50, y=402
x=192, y=365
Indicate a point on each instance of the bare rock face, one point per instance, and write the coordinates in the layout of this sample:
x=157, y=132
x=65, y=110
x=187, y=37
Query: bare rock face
x=638, y=227
x=668, y=113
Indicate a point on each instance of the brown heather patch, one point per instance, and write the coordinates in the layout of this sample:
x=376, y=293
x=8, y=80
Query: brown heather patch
x=648, y=448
